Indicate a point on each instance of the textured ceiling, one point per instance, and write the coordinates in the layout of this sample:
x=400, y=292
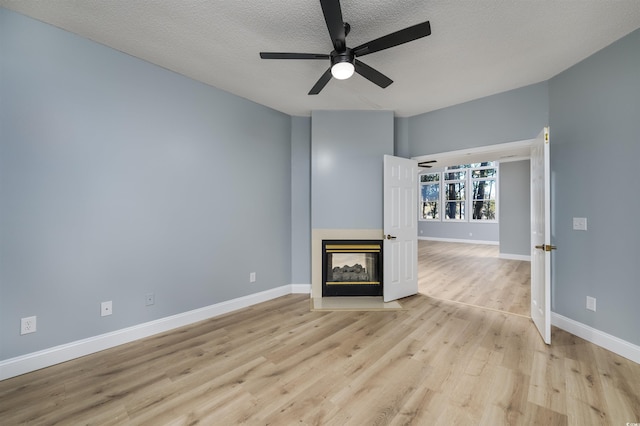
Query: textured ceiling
x=477, y=47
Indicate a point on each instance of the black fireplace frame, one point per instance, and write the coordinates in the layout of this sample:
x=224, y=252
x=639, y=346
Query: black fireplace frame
x=356, y=289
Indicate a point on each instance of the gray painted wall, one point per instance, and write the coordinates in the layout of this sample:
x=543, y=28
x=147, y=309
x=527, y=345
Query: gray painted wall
x=595, y=125
x=119, y=178
x=515, y=208
x=347, y=149
x=401, y=137
x=459, y=231
x=301, y=200
x=511, y=116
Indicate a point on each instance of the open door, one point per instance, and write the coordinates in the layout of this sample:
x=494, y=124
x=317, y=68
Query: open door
x=400, y=247
x=541, y=236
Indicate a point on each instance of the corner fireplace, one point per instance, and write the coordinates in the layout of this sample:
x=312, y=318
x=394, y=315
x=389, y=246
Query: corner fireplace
x=351, y=268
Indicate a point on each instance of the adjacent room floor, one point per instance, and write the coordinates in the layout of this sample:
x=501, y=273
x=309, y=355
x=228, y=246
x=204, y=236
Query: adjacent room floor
x=474, y=274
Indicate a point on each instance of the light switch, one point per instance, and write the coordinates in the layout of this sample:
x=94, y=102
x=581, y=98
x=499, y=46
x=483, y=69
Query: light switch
x=579, y=223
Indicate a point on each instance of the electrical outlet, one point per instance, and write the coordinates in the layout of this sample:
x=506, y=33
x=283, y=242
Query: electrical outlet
x=150, y=299
x=28, y=325
x=106, y=308
x=591, y=303
x=252, y=277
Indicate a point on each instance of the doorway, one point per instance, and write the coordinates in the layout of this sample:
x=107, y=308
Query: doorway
x=472, y=273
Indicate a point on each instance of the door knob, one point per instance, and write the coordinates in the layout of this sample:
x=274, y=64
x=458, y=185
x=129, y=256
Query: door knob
x=546, y=247
x=390, y=237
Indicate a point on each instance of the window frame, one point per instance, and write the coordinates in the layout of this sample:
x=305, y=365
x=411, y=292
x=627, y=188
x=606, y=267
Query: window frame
x=465, y=188
x=472, y=200
x=437, y=182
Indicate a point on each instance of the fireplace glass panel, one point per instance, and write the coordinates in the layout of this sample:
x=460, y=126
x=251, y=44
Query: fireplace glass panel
x=352, y=267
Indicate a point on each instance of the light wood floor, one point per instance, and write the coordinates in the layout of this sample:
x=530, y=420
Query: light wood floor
x=475, y=275
x=278, y=363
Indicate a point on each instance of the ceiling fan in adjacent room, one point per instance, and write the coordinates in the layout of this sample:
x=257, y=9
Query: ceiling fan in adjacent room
x=343, y=59
x=427, y=163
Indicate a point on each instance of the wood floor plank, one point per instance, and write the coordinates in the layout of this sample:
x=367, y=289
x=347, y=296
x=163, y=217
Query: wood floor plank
x=622, y=395
x=585, y=399
x=536, y=415
x=423, y=407
x=547, y=387
x=508, y=389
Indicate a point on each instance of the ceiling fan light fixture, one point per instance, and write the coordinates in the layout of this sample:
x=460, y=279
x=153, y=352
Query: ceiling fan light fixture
x=342, y=70
x=342, y=64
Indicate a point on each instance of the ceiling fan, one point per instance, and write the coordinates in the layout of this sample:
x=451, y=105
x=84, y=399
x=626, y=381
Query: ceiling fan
x=427, y=163
x=343, y=59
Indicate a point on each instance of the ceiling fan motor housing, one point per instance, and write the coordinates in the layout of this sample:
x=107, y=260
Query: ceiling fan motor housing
x=346, y=56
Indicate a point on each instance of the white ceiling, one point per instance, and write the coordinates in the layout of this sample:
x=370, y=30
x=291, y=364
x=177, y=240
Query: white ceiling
x=477, y=47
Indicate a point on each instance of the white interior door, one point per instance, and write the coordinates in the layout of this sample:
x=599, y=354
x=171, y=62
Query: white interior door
x=400, y=247
x=541, y=236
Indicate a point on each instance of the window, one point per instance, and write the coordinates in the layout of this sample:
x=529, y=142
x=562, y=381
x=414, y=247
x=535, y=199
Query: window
x=454, y=184
x=483, y=181
x=430, y=196
x=466, y=192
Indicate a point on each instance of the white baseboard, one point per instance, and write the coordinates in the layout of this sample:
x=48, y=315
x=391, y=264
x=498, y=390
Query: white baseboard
x=455, y=240
x=597, y=337
x=45, y=358
x=515, y=257
x=300, y=288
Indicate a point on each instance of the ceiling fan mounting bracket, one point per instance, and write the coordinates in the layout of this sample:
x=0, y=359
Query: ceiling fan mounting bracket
x=347, y=29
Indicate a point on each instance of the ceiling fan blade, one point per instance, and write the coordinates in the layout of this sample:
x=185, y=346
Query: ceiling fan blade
x=324, y=79
x=281, y=55
x=335, y=24
x=371, y=74
x=394, y=39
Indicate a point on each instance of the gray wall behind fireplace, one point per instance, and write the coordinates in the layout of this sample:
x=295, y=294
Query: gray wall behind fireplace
x=300, y=200
x=347, y=149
